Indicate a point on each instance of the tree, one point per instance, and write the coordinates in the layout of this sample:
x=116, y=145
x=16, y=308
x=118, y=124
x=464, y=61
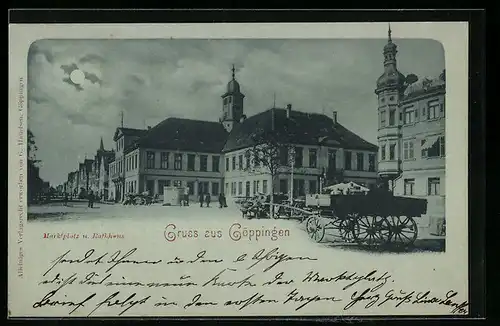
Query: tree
x=411, y=79
x=266, y=155
x=35, y=183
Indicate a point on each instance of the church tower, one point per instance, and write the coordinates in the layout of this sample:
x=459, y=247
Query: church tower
x=232, y=104
x=390, y=88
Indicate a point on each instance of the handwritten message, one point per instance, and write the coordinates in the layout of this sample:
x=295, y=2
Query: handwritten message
x=91, y=282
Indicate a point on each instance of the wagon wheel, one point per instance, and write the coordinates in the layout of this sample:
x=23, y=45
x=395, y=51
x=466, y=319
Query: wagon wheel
x=348, y=228
x=315, y=228
x=404, y=230
x=372, y=230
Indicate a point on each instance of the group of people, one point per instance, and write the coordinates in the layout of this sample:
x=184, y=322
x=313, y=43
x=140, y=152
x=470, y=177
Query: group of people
x=203, y=198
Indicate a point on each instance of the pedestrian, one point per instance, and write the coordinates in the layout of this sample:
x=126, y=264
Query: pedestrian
x=207, y=199
x=221, y=200
x=91, y=199
x=186, y=196
x=224, y=200
x=65, y=203
x=201, y=198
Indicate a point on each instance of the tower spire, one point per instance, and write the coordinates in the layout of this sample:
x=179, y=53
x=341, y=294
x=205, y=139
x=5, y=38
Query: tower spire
x=121, y=116
x=389, y=32
x=101, y=146
x=274, y=100
x=232, y=70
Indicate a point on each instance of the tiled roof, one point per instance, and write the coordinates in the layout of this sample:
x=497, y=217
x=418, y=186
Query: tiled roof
x=301, y=128
x=185, y=135
x=423, y=86
x=129, y=132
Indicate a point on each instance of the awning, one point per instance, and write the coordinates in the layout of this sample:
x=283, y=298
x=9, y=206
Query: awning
x=429, y=142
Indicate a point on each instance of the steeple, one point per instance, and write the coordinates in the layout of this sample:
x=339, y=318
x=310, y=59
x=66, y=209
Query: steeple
x=389, y=33
x=391, y=76
x=232, y=102
x=101, y=146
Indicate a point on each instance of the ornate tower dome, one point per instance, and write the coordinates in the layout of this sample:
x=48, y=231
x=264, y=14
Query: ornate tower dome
x=232, y=103
x=391, y=75
x=233, y=86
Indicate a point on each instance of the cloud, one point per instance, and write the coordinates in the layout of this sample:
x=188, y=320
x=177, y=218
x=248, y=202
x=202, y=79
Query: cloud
x=92, y=78
x=92, y=58
x=69, y=68
x=68, y=81
x=150, y=80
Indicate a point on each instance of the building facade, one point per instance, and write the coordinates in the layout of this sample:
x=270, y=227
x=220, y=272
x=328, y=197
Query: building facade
x=411, y=133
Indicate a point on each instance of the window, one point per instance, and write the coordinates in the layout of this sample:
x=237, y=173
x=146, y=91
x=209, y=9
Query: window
x=240, y=188
x=256, y=159
x=409, y=186
x=392, y=152
x=215, y=188
x=408, y=151
x=371, y=162
x=332, y=159
x=382, y=118
x=312, y=187
x=240, y=162
x=433, y=111
x=360, y=162
x=150, y=186
x=169, y=183
x=234, y=163
x=284, y=156
x=227, y=163
x=247, y=189
x=283, y=186
x=313, y=158
x=150, y=160
x=190, y=166
x=258, y=186
x=161, y=185
x=190, y=185
x=177, y=183
x=233, y=188
x=247, y=158
x=203, y=187
x=254, y=187
x=298, y=156
x=347, y=160
x=433, y=186
x=409, y=116
x=215, y=163
x=264, y=186
x=178, y=161
x=227, y=188
x=400, y=117
x=203, y=162
x=435, y=147
x=164, y=161
x=392, y=117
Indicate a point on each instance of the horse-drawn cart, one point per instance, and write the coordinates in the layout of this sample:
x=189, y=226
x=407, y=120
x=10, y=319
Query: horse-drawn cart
x=372, y=219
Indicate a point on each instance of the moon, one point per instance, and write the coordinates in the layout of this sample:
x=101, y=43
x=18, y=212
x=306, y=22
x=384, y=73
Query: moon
x=77, y=76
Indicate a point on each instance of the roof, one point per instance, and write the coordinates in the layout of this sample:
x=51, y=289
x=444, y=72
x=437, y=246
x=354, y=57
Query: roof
x=425, y=85
x=129, y=132
x=302, y=128
x=185, y=135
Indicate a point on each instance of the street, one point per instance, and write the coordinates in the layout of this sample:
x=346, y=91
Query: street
x=77, y=214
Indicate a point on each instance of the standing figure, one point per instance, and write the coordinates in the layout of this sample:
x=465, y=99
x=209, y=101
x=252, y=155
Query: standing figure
x=221, y=200
x=224, y=200
x=207, y=199
x=186, y=196
x=201, y=198
x=91, y=199
x=65, y=203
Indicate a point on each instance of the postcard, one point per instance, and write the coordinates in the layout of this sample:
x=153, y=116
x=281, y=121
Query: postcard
x=238, y=170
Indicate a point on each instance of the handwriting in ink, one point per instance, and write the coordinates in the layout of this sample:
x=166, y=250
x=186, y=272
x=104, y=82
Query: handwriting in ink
x=295, y=296
x=91, y=279
x=315, y=277
x=200, y=258
x=422, y=298
x=216, y=280
x=127, y=303
x=48, y=301
x=183, y=282
x=365, y=296
x=165, y=303
x=278, y=280
x=272, y=255
x=197, y=302
x=256, y=298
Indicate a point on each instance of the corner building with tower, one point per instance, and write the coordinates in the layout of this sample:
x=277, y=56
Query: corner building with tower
x=411, y=133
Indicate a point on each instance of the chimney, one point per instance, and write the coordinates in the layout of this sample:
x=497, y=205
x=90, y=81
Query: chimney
x=288, y=110
x=334, y=116
x=149, y=127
